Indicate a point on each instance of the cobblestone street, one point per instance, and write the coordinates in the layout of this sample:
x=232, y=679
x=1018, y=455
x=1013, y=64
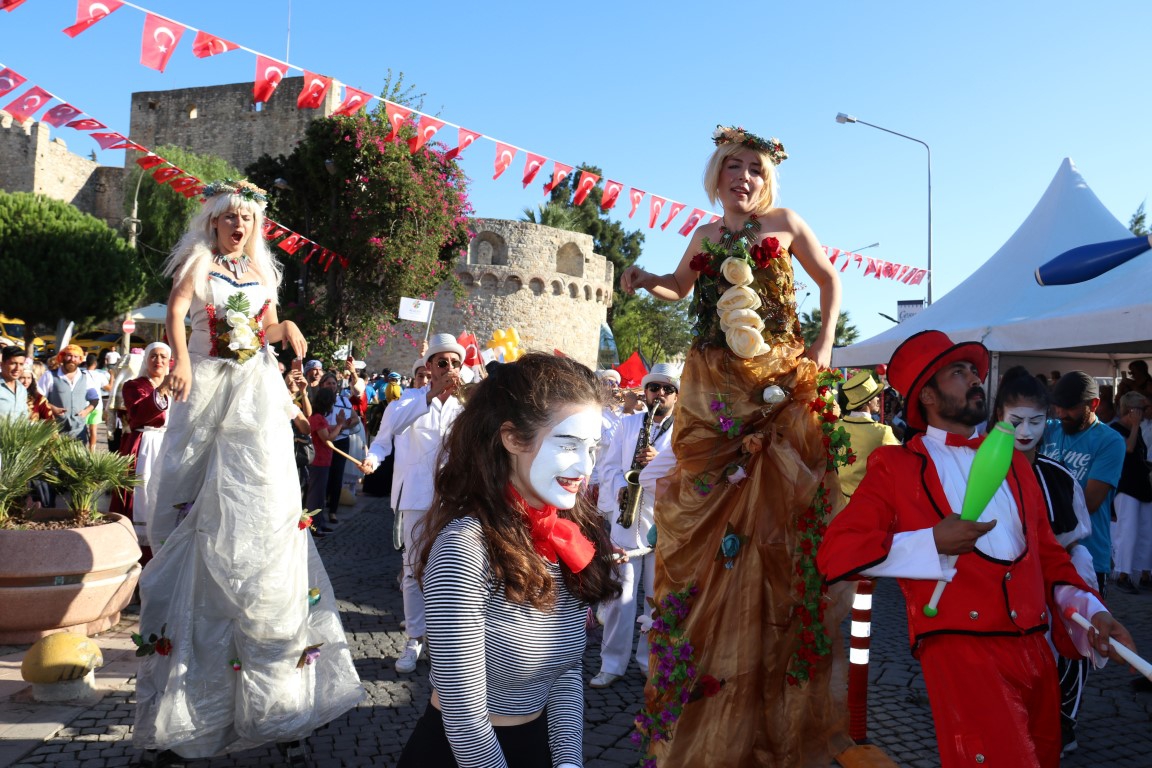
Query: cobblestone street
x=1115, y=727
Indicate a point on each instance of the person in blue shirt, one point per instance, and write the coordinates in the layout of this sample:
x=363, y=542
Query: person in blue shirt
x=1092, y=452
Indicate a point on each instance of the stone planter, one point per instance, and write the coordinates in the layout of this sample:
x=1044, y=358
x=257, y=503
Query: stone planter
x=74, y=580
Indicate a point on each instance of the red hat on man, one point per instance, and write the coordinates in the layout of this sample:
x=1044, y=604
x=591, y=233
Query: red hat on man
x=917, y=360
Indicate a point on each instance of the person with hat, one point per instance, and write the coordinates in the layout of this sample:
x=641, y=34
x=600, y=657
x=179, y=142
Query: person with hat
x=1092, y=452
x=387, y=455
x=313, y=372
x=860, y=399
x=631, y=449
x=72, y=394
x=986, y=646
x=609, y=381
x=420, y=420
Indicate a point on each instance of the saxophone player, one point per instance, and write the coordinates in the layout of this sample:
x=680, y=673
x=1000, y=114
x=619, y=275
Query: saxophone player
x=637, y=442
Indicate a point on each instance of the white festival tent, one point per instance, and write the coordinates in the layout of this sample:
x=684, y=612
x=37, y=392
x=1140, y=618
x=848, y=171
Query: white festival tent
x=1090, y=326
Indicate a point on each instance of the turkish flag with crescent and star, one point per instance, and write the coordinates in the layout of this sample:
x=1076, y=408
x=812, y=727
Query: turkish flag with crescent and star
x=612, y=190
x=60, y=114
x=10, y=81
x=504, y=155
x=354, y=101
x=108, y=140
x=396, y=117
x=86, y=124
x=676, y=208
x=269, y=73
x=464, y=140
x=532, y=165
x=584, y=186
x=88, y=12
x=159, y=41
x=206, y=45
x=315, y=88
x=425, y=131
x=559, y=173
x=632, y=371
x=693, y=220
x=163, y=175
x=150, y=161
x=471, y=348
x=635, y=195
x=655, y=205
x=28, y=103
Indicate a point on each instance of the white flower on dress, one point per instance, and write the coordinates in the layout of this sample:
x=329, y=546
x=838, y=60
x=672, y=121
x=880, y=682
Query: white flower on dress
x=736, y=271
x=738, y=297
x=745, y=341
x=241, y=337
x=737, y=318
x=236, y=319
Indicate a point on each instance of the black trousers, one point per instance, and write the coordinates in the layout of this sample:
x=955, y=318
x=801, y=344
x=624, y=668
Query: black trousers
x=524, y=746
x=336, y=476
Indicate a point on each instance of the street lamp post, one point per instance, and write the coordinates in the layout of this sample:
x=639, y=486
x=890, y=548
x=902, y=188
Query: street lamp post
x=843, y=118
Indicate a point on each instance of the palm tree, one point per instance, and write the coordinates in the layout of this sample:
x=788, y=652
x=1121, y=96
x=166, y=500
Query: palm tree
x=552, y=214
x=810, y=327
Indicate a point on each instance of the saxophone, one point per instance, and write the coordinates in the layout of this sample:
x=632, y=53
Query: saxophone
x=633, y=492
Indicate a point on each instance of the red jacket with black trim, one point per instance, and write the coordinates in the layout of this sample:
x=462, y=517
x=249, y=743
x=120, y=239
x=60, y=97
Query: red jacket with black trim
x=902, y=492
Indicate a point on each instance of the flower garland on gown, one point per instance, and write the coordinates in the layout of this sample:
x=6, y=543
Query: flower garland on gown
x=747, y=667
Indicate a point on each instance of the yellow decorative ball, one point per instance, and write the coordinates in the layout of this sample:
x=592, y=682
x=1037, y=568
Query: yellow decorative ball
x=62, y=656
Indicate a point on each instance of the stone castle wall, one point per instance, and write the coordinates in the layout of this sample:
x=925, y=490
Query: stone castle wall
x=32, y=160
x=546, y=283
x=222, y=120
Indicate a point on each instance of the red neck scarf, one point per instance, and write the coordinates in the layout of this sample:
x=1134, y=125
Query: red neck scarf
x=554, y=536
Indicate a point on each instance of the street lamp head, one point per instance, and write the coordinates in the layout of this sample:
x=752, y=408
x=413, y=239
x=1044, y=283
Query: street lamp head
x=843, y=118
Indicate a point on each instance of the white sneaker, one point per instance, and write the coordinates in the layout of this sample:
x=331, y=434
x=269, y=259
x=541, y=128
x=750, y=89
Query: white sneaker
x=406, y=664
x=603, y=680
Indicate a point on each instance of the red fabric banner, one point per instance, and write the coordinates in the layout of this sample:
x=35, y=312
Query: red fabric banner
x=354, y=101
x=890, y=269
x=504, y=155
x=919, y=276
x=559, y=172
x=714, y=219
x=28, y=103
x=193, y=190
x=206, y=45
x=584, y=186
x=424, y=133
x=183, y=184
x=164, y=175
x=676, y=208
x=655, y=205
x=471, y=348
x=532, y=165
x=632, y=371
x=10, y=81
x=159, y=41
x=11, y=5
x=465, y=139
x=903, y=271
x=108, y=140
x=635, y=195
x=86, y=124
x=60, y=114
x=396, y=117
x=149, y=161
x=312, y=252
x=291, y=244
x=612, y=190
x=269, y=73
x=88, y=12
x=312, y=94
x=693, y=220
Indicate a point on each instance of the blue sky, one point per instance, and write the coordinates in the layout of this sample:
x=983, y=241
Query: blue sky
x=1002, y=92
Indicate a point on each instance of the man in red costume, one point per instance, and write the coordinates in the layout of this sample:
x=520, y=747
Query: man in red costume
x=989, y=671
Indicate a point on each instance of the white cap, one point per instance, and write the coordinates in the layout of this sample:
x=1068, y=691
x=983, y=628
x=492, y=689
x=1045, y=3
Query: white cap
x=607, y=374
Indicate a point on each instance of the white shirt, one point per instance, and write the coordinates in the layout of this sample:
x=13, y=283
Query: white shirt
x=421, y=426
x=617, y=461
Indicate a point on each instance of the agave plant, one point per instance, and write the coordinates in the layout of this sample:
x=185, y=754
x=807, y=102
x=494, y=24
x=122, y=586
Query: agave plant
x=86, y=475
x=24, y=458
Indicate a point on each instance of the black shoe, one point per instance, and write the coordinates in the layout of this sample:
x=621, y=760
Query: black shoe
x=295, y=754
x=318, y=533
x=166, y=759
x=1127, y=587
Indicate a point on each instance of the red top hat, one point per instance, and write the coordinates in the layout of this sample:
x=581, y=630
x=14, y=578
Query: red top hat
x=918, y=359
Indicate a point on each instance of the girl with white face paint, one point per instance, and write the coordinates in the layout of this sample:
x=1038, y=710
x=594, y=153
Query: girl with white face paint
x=510, y=557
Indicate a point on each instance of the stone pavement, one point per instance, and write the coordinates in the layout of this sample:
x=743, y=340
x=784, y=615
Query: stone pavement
x=1115, y=728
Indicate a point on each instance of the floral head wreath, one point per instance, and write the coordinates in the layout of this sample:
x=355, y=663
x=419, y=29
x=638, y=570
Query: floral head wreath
x=242, y=187
x=734, y=134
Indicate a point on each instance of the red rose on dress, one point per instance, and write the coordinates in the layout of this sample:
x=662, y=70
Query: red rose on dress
x=764, y=252
x=709, y=686
x=163, y=646
x=702, y=263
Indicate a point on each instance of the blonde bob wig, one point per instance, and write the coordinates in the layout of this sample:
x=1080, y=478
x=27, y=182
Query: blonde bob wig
x=767, y=197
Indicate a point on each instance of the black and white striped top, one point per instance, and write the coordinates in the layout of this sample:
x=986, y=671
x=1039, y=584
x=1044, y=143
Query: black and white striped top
x=490, y=656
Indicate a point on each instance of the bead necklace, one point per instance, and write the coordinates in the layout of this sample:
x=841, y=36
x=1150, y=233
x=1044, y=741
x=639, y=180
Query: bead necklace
x=237, y=265
x=749, y=233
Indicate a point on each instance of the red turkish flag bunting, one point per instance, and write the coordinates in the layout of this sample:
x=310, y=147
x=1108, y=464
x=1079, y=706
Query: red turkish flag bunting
x=612, y=190
x=559, y=172
x=676, y=208
x=86, y=124
x=10, y=81
x=315, y=249
x=466, y=137
x=159, y=41
x=163, y=175
x=88, y=12
x=313, y=91
x=425, y=131
x=396, y=117
x=278, y=231
x=917, y=277
x=182, y=185
x=504, y=155
x=354, y=101
x=206, y=45
x=193, y=190
x=11, y=5
x=532, y=165
x=269, y=73
x=872, y=267
x=693, y=220
x=635, y=195
x=714, y=219
x=28, y=103
x=292, y=244
x=60, y=114
x=584, y=186
x=655, y=205
x=890, y=269
x=149, y=161
x=903, y=272
x=108, y=140
x=471, y=348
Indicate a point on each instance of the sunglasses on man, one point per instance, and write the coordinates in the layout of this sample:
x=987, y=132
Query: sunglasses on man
x=442, y=363
x=667, y=389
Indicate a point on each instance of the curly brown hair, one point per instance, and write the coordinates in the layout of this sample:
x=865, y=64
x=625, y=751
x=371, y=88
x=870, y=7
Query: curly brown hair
x=473, y=480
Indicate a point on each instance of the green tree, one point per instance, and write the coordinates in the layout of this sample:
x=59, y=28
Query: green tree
x=810, y=327
x=553, y=214
x=398, y=218
x=164, y=213
x=57, y=262
x=1139, y=223
x=660, y=330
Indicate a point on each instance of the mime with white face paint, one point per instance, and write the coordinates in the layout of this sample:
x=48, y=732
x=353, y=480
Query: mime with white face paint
x=661, y=387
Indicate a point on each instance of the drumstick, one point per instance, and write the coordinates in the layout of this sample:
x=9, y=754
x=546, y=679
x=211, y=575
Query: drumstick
x=1123, y=651
x=352, y=459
